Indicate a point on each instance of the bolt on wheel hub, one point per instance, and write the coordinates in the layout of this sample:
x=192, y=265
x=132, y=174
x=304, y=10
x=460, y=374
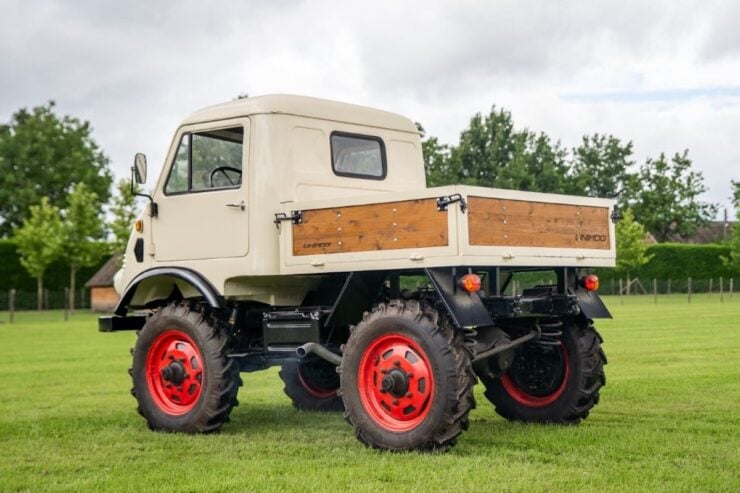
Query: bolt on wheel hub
x=174, y=373
x=396, y=382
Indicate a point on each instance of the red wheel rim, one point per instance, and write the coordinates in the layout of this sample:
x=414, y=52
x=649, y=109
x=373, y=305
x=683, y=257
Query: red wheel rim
x=312, y=389
x=529, y=400
x=174, y=372
x=396, y=382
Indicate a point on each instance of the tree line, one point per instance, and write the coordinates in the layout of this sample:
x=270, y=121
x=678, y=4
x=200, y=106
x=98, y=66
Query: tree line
x=55, y=194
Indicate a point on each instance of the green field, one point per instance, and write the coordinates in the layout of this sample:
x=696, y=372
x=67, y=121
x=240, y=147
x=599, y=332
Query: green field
x=669, y=420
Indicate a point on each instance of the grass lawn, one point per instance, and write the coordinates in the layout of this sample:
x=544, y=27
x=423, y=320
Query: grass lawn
x=669, y=419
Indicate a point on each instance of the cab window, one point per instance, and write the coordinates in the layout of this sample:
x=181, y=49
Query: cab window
x=210, y=160
x=358, y=156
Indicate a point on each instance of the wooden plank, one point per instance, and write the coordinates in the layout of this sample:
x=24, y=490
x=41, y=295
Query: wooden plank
x=520, y=223
x=371, y=227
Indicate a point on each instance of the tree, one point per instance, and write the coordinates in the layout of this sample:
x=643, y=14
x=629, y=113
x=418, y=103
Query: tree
x=83, y=234
x=41, y=154
x=601, y=167
x=732, y=262
x=664, y=196
x=124, y=210
x=631, y=248
x=493, y=153
x=486, y=146
x=39, y=241
x=436, y=158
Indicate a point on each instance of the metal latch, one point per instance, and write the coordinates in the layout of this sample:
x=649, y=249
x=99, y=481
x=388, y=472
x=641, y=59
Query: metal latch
x=445, y=200
x=616, y=215
x=296, y=217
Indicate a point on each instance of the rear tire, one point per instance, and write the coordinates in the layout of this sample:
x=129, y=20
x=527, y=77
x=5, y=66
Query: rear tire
x=183, y=379
x=312, y=385
x=406, y=379
x=552, y=385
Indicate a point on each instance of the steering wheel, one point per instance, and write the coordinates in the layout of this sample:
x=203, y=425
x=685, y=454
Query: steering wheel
x=223, y=170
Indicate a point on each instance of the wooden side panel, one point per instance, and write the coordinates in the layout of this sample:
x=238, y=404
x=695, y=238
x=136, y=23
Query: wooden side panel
x=372, y=227
x=519, y=223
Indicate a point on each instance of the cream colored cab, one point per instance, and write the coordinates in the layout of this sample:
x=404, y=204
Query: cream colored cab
x=232, y=167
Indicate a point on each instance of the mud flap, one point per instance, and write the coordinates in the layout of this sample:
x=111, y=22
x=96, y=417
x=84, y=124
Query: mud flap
x=466, y=309
x=591, y=304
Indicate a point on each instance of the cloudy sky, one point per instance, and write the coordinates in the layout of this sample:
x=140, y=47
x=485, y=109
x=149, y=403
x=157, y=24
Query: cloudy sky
x=663, y=74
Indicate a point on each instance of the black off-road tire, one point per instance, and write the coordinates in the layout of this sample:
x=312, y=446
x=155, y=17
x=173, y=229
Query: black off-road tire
x=312, y=385
x=400, y=336
x=577, y=391
x=179, y=332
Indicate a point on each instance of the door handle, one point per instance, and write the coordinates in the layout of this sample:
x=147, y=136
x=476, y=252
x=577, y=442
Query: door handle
x=240, y=205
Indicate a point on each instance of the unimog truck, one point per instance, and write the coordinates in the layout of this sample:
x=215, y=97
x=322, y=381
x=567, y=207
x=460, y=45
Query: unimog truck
x=296, y=232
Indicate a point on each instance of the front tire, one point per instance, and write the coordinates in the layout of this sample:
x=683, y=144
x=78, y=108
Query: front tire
x=406, y=379
x=552, y=384
x=183, y=380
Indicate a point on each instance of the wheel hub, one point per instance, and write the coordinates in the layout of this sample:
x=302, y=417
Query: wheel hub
x=396, y=382
x=174, y=372
x=537, y=377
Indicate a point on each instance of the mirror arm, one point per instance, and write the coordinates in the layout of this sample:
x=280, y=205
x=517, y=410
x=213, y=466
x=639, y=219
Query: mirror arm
x=153, y=208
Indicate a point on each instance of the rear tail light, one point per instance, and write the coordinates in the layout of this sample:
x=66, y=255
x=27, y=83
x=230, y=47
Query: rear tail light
x=470, y=283
x=590, y=282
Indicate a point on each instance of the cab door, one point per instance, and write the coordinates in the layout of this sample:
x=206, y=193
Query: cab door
x=202, y=198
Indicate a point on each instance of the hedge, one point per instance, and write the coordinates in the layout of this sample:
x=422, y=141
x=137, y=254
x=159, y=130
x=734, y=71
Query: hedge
x=679, y=261
x=14, y=276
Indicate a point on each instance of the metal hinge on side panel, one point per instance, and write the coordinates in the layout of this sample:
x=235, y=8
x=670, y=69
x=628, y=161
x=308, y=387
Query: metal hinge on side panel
x=445, y=200
x=296, y=217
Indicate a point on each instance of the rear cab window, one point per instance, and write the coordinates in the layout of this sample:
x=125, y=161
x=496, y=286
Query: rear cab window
x=358, y=156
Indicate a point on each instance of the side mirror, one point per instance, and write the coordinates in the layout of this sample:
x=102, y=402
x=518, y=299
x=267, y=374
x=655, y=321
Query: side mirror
x=140, y=168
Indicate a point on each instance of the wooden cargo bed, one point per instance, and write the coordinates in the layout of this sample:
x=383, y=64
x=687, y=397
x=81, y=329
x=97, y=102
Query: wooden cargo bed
x=413, y=229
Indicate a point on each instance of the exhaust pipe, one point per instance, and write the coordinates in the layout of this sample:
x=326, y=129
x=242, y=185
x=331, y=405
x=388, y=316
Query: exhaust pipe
x=320, y=351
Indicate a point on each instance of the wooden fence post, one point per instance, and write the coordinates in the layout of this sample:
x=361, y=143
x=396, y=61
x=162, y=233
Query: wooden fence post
x=11, y=305
x=689, y=290
x=669, y=286
x=621, y=299
x=711, y=285
x=721, y=290
x=731, y=279
x=655, y=291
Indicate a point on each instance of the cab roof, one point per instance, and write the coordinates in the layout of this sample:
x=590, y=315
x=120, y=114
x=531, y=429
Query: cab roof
x=303, y=106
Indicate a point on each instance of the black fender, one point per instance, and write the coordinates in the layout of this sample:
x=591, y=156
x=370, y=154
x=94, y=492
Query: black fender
x=358, y=292
x=199, y=283
x=591, y=304
x=466, y=309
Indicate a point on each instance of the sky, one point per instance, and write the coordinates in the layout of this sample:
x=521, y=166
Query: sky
x=662, y=74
